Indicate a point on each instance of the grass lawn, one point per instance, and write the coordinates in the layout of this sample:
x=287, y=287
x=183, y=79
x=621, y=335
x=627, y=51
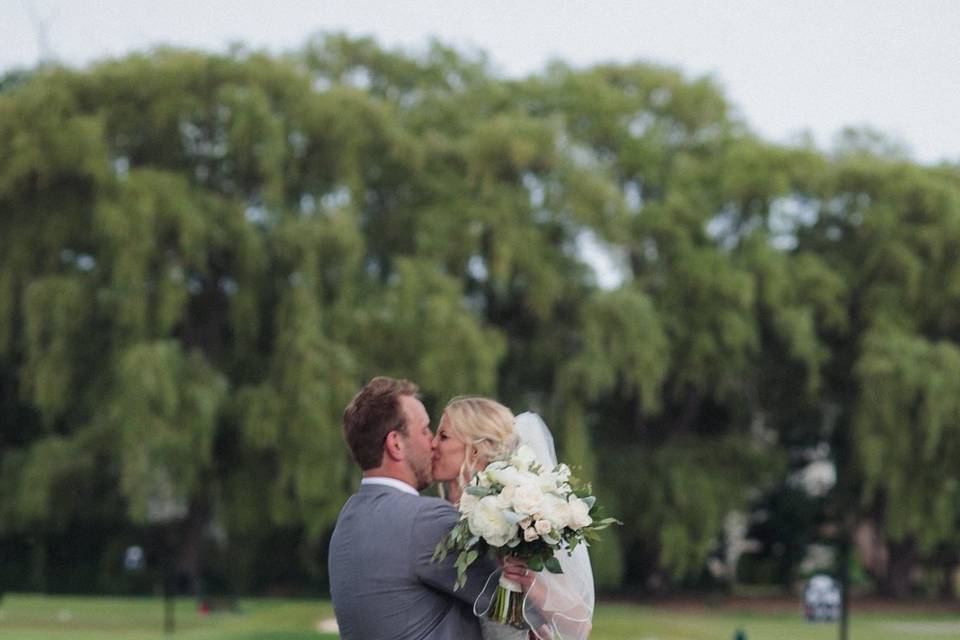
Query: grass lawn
x=29, y=617
x=623, y=622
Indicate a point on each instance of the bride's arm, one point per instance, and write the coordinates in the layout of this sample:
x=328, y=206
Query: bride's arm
x=554, y=598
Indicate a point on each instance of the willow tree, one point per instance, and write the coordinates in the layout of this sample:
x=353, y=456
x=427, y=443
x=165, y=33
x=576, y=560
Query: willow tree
x=186, y=269
x=203, y=256
x=665, y=372
x=894, y=233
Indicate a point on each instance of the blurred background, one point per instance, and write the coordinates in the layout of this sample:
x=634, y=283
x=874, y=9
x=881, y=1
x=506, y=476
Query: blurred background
x=716, y=246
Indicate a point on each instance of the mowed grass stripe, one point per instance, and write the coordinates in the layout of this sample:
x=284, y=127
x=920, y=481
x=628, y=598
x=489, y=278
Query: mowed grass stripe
x=34, y=617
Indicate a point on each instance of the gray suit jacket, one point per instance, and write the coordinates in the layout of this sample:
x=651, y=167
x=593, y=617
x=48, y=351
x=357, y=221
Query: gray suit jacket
x=382, y=580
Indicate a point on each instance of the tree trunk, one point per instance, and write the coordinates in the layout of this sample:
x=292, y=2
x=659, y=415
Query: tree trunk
x=948, y=580
x=872, y=550
x=189, y=563
x=168, y=575
x=691, y=409
x=38, y=564
x=903, y=558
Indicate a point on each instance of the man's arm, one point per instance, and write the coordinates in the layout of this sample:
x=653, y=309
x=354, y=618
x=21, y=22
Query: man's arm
x=434, y=522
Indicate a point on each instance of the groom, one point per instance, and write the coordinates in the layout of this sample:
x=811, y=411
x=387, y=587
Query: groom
x=382, y=579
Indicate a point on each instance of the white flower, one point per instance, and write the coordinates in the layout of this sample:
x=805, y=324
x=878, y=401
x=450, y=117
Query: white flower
x=527, y=499
x=503, y=474
x=579, y=514
x=543, y=526
x=547, y=481
x=505, y=499
x=467, y=503
x=562, y=473
x=530, y=534
x=556, y=510
x=488, y=521
x=523, y=457
x=515, y=538
x=526, y=522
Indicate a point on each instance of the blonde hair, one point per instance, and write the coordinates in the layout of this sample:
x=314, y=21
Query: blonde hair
x=486, y=429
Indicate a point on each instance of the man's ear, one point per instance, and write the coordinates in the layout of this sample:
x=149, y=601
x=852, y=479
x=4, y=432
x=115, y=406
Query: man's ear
x=393, y=447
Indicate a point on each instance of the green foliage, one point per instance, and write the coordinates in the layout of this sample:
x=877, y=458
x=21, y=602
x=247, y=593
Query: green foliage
x=56, y=314
x=678, y=495
x=203, y=256
x=608, y=562
x=163, y=413
x=625, y=344
x=907, y=424
x=420, y=328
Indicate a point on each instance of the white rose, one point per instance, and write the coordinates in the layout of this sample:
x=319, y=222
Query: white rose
x=523, y=457
x=556, y=510
x=547, y=481
x=505, y=475
x=467, y=503
x=526, y=522
x=530, y=534
x=579, y=514
x=527, y=499
x=487, y=521
x=543, y=527
x=505, y=499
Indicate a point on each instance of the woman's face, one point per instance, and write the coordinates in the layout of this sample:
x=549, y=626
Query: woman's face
x=448, y=452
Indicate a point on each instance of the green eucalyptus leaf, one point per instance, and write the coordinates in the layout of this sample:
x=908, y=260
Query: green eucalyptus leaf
x=553, y=565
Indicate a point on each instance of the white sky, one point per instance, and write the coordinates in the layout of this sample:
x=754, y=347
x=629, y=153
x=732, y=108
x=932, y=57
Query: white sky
x=788, y=65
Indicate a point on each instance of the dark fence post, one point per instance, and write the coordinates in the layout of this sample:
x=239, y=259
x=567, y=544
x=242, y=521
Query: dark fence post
x=844, y=575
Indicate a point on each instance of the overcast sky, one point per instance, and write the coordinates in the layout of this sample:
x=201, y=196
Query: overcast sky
x=788, y=66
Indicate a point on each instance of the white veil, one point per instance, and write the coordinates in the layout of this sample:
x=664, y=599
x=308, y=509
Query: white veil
x=564, y=601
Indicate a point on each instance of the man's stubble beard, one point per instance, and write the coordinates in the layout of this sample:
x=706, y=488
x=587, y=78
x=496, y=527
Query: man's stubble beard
x=422, y=471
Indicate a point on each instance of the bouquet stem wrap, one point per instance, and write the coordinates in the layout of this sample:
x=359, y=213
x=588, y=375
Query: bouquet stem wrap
x=507, y=605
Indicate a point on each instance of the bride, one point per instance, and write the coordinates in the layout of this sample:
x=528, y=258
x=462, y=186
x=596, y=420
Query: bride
x=473, y=431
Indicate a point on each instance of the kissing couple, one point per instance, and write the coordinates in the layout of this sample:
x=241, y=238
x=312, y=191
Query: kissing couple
x=384, y=580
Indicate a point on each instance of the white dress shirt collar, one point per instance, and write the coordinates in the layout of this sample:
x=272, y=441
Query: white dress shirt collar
x=390, y=482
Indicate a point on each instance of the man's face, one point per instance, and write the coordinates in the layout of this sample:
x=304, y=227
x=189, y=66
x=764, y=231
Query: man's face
x=418, y=440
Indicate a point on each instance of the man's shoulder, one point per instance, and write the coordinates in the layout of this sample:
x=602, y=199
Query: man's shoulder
x=435, y=516
x=393, y=514
x=433, y=502
x=372, y=498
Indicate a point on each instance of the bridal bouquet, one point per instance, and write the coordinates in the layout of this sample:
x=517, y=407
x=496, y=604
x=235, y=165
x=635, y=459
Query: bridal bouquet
x=519, y=508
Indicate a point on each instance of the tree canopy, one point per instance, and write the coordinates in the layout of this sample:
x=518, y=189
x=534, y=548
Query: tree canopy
x=203, y=256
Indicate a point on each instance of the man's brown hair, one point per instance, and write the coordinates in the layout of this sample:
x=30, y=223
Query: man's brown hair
x=372, y=414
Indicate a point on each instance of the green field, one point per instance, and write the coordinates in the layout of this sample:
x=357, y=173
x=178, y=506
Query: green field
x=27, y=617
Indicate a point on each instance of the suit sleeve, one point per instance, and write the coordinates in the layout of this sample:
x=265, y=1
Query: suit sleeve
x=433, y=522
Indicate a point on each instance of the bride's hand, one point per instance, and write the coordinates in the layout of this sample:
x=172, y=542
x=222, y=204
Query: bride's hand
x=516, y=570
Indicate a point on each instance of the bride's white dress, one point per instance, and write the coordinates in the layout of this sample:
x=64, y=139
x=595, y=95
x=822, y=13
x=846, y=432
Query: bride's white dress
x=490, y=630
x=567, y=608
